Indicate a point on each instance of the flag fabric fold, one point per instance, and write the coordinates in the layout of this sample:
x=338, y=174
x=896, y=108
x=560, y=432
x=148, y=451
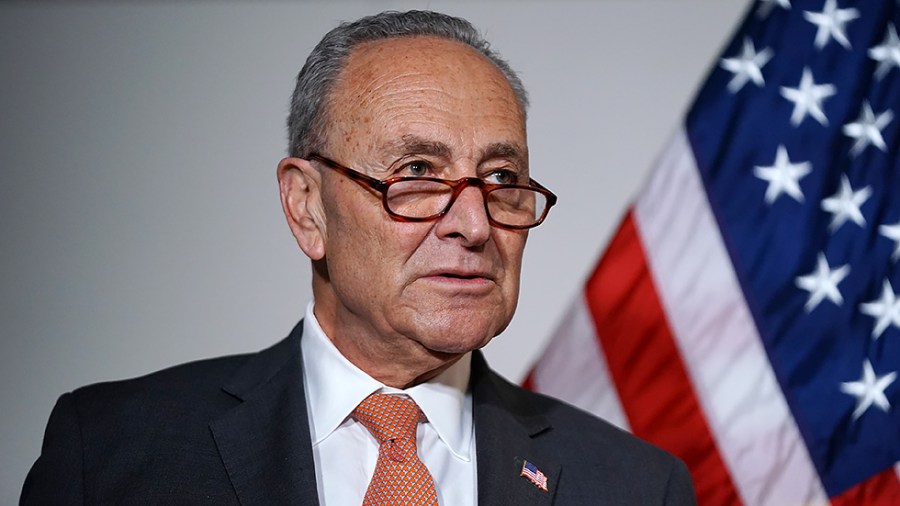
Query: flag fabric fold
x=746, y=315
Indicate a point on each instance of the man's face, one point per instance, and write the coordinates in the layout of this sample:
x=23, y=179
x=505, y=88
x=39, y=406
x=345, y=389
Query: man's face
x=418, y=106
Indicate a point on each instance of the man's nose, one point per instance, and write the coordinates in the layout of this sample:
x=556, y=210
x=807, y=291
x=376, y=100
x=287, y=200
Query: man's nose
x=467, y=219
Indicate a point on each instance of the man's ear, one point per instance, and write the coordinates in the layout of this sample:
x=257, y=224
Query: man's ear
x=301, y=199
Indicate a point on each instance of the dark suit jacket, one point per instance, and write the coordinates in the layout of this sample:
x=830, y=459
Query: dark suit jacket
x=234, y=430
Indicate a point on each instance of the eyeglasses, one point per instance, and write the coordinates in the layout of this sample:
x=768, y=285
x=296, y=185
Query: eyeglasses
x=509, y=206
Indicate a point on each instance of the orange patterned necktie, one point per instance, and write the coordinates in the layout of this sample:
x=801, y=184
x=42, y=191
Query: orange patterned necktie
x=400, y=477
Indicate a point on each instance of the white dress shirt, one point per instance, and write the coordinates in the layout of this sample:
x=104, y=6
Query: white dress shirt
x=343, y=449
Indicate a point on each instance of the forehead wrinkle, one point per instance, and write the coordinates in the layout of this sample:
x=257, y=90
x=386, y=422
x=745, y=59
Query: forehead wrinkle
x=406, y=79
x=374, y=86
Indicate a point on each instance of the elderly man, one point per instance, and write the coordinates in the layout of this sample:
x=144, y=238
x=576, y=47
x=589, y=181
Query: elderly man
x=408, y=188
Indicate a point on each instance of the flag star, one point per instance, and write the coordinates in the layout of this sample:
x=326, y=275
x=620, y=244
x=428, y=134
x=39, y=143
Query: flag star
x=831, y=23
x=807, y=98
x=888, y=53
x=869, y=390
x=822, y=283
x=845, y=204
x=867, y=129
x=885, y=310
x=892, y=232
x=747, y=66
x=783, y=176
x=766, y=6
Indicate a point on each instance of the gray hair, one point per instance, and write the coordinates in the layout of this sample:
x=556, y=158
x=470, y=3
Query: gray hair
x=307, y=119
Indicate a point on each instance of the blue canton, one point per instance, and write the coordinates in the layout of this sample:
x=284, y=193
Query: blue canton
x=797, y=138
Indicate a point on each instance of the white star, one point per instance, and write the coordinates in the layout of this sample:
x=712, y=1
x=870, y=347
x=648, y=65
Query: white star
x=823, y=283
x=867, y=129
x=783, y=176
x=892, y=232
x=766, y=6
x=845, y=204
x=746, y=66
x=869, y=390
x=832, y=23
x=807, y=98
x=885, y=310
x=888, y=53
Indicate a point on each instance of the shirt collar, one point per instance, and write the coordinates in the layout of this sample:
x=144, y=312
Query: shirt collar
x=335, y=386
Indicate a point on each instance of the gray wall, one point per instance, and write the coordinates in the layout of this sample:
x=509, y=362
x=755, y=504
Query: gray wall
x=138, y=205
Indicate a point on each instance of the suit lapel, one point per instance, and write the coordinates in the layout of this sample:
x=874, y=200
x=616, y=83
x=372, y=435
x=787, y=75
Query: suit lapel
x=264, y=441
x=265, y=444
x=504, y=432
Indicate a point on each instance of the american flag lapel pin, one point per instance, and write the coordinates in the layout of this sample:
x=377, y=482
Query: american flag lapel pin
x=534, y=474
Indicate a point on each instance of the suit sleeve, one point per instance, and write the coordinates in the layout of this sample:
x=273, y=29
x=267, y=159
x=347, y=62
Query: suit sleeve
x=680, y=489
x=57, y=475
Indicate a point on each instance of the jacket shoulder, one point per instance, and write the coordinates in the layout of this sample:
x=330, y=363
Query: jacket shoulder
x=147, y=436
x=569, y=424
x=192, y=384
x=594, y=454
x=181, y=384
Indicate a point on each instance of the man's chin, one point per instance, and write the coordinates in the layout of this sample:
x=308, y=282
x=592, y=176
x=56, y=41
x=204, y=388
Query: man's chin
x=454, y=329
x=450, y=343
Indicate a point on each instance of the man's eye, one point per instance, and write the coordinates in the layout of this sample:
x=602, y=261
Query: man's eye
x=417, y=168
x=503, y=177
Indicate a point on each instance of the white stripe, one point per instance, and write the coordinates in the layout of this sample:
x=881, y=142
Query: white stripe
x=743, y=403
x=574, y=369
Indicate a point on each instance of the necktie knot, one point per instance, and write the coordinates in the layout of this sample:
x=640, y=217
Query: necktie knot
x=392, y=420
x=400, y=477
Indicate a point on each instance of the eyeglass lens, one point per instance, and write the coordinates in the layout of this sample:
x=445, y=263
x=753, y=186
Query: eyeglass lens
x=425, y=199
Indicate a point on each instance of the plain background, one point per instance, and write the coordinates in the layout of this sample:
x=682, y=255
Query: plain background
x=139, y=209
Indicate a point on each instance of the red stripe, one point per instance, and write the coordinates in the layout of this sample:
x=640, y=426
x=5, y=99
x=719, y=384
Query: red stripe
x=528, y=382
x=880, y=490
x=646, y=366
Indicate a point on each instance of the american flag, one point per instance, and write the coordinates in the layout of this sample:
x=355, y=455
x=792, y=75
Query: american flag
x=534, y=474
x=746, y=315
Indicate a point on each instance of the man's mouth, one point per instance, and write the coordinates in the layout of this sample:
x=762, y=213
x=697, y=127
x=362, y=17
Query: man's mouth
x=460, y=277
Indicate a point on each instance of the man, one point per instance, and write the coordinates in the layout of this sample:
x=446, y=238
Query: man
x=408, y=188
